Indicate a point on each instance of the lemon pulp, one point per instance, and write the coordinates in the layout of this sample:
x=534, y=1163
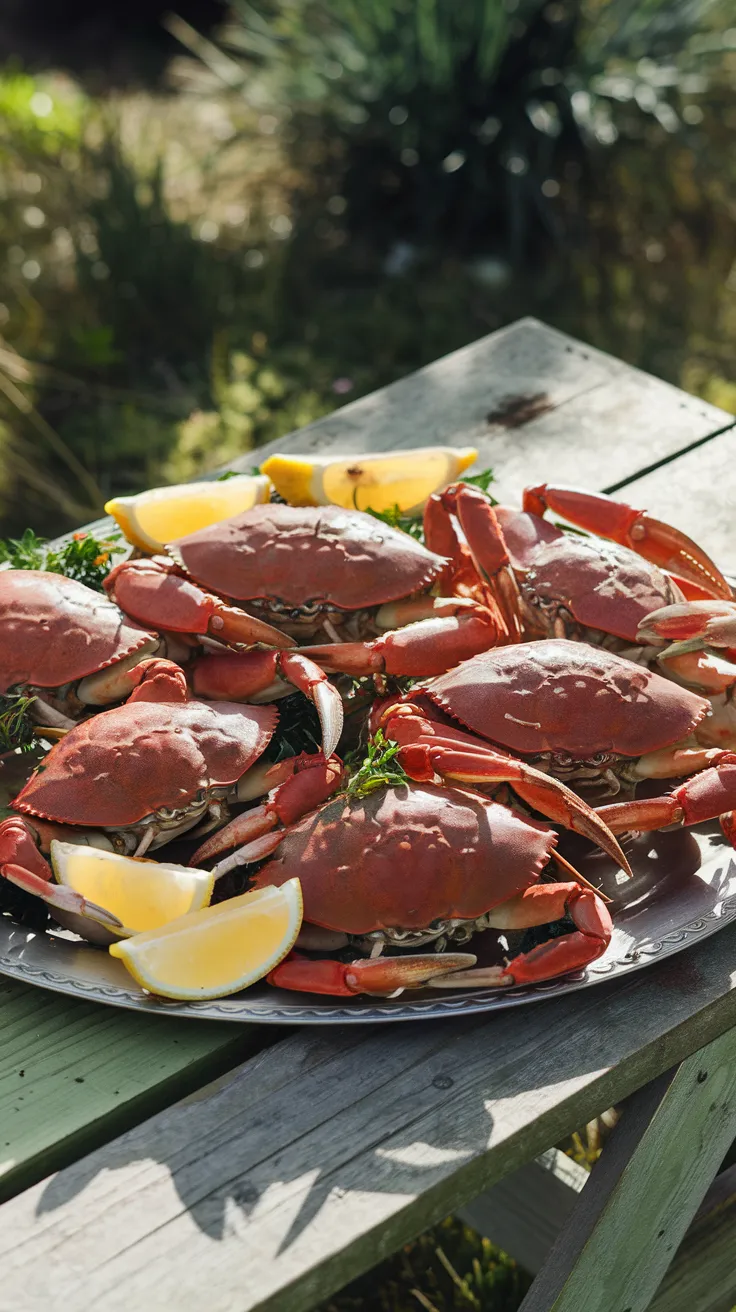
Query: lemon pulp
x=143, y=894
x=218, y=950
x=151, y=519
x=375, y=481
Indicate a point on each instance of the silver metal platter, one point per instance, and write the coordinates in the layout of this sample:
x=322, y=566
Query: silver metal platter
x=683, y=890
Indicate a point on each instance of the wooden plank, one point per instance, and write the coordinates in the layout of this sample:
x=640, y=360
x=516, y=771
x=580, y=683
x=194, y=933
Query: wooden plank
x=696, y=494
x=702, y=1277
x=537, y=404
x=72, y=1074
x=642, y=1195
x=525, y=1212
x=291, y=1176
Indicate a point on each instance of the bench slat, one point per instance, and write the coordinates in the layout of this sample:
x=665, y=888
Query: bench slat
x=320, y=1155
x=72, y=1074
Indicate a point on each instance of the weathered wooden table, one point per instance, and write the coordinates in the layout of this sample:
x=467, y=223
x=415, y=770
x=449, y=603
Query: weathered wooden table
x=175, y=1165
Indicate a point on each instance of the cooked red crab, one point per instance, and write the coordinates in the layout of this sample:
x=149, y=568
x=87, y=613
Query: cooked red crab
x=548, y=583
x=306, y=569
x=66, y=644
x=77, y=648
x=580, y=713
x=416, y=864
x=141, y=774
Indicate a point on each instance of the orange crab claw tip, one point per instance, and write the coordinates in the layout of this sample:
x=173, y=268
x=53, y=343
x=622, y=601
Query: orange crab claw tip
x=592, y=827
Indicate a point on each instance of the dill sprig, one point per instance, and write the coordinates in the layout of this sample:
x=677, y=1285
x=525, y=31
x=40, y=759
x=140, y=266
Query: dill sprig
x=379, y=768
x=83, y=557
x=16, y=725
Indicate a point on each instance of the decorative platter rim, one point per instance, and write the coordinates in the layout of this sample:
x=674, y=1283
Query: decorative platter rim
x=677, y=918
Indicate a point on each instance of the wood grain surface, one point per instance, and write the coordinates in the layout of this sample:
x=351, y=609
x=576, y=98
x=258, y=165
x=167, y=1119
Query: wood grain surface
x=643, y=1193
x=72, y=1074
x=272, y=1188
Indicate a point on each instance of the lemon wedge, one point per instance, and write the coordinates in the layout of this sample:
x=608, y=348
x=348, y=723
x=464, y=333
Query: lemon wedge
x=144, y=895
x=151, y=519
x=219, y=950
x=378, y=481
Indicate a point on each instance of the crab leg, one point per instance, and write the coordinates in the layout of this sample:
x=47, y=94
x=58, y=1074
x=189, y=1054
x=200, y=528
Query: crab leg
x=704, y=796
x=154, y=593
x=539, y=905
x=23, y=865
x=381, y=977
x=484, y=548
x=59, y=896
x=298, y=785
x=253, y=675
x=661, y=543
x=421, y=650
x=428, y=749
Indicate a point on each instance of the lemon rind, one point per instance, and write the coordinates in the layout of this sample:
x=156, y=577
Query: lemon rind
x=208, y=994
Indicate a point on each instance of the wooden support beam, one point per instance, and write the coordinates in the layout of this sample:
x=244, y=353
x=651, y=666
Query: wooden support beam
x=702, y=1277
x=525, y=1212
x=627, y=1224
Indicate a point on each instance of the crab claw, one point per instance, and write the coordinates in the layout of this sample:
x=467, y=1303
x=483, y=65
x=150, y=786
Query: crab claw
x=59, y=895
x=298, y=785
x=703, y=796
x=382, y=977
x=660, y=543
x=539, y=905
x=479, y=558
x=154, y=592
x=473, y=763
x=254, y=676
x=19, y=848
x=690, y=626
x=422, y=649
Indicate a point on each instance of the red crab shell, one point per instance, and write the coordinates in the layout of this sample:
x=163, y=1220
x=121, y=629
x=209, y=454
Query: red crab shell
x=560, y=696
x=307, y=554
x=401, y=858
x=603, y=585
x=56, y=630
x=128, y=762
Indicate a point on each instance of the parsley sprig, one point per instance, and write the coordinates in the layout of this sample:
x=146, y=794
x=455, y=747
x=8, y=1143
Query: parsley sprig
x=83, y=557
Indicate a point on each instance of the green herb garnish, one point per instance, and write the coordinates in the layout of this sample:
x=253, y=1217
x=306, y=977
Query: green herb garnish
x=482, y=481
x=83, y=557
x=379, y=768
x=16, y=725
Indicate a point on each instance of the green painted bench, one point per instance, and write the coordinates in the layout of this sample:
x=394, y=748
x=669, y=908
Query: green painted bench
x=166, y=1164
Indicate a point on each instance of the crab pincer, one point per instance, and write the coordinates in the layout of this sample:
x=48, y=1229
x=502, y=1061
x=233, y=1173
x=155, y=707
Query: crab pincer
x=660, y=543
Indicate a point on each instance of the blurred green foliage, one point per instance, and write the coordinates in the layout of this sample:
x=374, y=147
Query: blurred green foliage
x=448, y=1269
x=189, y=276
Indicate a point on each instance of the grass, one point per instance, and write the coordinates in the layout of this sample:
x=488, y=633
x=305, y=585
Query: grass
x=448, y=1269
